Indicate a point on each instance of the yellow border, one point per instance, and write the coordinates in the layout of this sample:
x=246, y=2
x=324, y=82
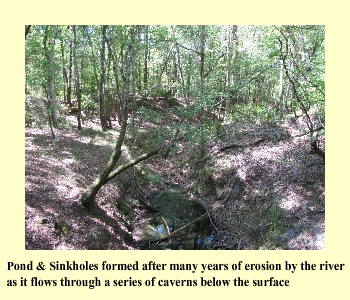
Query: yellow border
x=304, y=284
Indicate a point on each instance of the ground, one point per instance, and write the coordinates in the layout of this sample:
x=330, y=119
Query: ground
x=264, y=191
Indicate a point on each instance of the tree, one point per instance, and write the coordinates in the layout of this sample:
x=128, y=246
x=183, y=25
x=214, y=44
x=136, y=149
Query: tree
x=116, y=94
x=146, y=59
x=67, y=75
x=299, y=90
x=281, y=90
x=103, y=106
x=49, y=44
x=231, y=37
x=108, y=172
x=77, y=79
x=197, y=63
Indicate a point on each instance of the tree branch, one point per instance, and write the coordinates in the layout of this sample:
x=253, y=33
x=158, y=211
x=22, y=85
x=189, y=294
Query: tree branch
x=131, y=163
x=142, y=157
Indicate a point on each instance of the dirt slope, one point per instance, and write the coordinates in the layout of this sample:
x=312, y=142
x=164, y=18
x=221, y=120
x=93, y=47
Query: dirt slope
x=275, y=189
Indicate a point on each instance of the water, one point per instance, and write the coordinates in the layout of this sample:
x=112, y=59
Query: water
x=176, y=217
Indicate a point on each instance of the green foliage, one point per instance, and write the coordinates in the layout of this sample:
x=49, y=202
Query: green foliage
x=167, y=94
x=155, y=179
x=167, y=64
x=148, y=176
x=270, y=238
x=252, y=112
x=197, y=134
x=89, y=106
x=275, y=220
x=149, y=115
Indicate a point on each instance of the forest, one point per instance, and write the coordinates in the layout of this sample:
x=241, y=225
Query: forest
x=169, y=137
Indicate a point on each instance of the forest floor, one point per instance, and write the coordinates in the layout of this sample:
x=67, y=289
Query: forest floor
x=260, y=185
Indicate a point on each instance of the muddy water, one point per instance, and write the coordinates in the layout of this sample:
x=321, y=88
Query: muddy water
x=176, y=211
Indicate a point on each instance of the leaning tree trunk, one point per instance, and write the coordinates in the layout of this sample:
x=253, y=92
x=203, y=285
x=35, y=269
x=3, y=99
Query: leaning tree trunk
x=108, y=172
x=89, y=195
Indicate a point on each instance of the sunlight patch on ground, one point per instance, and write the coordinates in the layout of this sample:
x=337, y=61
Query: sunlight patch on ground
x=291, y=201
x=306, y=241
x=64, y=247
x=267, y=154
x=68, y=161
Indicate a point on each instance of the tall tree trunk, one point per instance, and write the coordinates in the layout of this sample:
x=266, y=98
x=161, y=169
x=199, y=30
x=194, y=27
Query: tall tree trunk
x=117, y=95
x=178, y=59
x=26, y=90
x=93, y=57
x=202, y=57
x=77, y=79
x=145, y=69
x=70, y=71
x=235, y=71
x=231, y=37
x=103, y=117
x=281, y=90
x=163, y=68
x=49, y=43
x=65, y=80
x=64, y=72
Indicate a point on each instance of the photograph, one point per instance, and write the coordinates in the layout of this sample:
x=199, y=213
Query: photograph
x=174, y=137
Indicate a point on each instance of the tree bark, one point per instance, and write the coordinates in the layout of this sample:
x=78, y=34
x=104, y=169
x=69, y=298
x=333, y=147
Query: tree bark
x=117, y=95
x=64, y=73
x=281, y=90
x=108, y=173
x=145, y=68
x=103, y=117
x=232, y=37
x=202, y=57
x=49, y=54
x=314, y=143
x=69, y=83
x=77, y=79
x=93, y=57
x=89, y=195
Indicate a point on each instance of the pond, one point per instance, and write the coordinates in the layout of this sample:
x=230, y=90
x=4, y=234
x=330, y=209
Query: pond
x=177, y=218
